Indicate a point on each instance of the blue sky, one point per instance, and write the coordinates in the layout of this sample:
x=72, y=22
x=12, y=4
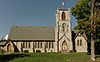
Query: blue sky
x=30, y=13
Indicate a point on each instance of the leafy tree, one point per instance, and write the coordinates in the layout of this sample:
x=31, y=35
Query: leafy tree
x=88, y=16
x=82, y=12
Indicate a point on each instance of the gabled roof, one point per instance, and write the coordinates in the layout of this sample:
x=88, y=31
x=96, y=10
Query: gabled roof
x=2, y=43
x=5, y=37
x=32, y=33
x=83, y=35
x=76, y=33
x=65, y=36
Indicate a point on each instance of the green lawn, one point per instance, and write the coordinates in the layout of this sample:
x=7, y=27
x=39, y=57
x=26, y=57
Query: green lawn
x=46, y=57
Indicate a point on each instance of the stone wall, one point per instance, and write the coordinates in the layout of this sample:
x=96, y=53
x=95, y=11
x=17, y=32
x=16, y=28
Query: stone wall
x=34, y=45
x=83, y=46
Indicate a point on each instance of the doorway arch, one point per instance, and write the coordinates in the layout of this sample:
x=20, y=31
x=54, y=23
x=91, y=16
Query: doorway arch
x=64, y=46
x=9, y=48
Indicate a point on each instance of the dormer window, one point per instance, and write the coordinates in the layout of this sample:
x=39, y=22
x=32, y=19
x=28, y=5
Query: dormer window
x=63, y=16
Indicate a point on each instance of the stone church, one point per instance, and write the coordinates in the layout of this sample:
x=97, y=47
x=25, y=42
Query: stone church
x=59, y=38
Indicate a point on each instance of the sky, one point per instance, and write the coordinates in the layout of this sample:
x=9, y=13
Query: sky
x=31, y=13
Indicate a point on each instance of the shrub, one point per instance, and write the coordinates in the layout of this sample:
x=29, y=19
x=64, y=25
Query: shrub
x=1, y=50
x=33, y=50
x=59, y=51
x=26, y=51
x=51, y=51
x=38, y=51
x=71, y=51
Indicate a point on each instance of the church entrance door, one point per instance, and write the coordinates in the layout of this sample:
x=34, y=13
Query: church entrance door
x=9, y=47
x=64, y=46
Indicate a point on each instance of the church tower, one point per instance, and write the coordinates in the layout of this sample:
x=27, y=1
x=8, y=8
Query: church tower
x=63, y=35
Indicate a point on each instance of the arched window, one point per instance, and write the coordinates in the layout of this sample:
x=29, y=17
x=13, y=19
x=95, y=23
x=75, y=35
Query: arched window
x=63, y=27
x=35, y=45
x=77, y=42
x=41, y=44
x=67, y=27
x=29, y=44
x=23, y=45
x=26, y=44
x=38, y=44
x=63, y=16
x=49, y=45
x=80, y=42
x=52, y=44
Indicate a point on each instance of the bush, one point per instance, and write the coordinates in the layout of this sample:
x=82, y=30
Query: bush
x=59, y=51
x=26, y=51
x=71, y=51
x=1, y=51
x=38, y=51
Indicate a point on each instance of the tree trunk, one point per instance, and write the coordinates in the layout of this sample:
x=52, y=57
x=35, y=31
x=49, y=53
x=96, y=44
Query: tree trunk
x=92, y=33
x=92, y=49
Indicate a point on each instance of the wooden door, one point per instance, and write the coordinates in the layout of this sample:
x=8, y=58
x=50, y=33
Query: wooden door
x=9, y=48
x=64, y=46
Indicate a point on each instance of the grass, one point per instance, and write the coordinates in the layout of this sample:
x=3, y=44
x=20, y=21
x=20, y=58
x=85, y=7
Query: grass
x=46, y=57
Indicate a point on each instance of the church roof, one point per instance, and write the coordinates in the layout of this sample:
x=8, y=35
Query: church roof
x=2, y=43
x=32, y=33
x=75, y=34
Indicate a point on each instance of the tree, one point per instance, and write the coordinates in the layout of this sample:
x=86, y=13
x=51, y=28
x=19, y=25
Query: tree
x=92, y=31
x=82, y=12
x=88, y=21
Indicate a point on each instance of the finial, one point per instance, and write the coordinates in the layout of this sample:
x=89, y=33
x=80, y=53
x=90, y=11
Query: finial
x=62, y=3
